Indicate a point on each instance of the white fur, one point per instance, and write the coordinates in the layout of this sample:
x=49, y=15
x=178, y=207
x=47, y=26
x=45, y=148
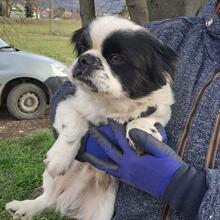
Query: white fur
x=71, y=122
x=104, y=26
x=105, y=81
x=76, y=189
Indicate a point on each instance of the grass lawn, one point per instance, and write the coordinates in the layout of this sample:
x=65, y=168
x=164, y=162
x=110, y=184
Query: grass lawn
x=21, y=168
x=21, y=159
x=35, y=36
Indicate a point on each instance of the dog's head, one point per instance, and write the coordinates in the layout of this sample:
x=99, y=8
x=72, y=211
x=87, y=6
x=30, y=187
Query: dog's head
x=119, y=58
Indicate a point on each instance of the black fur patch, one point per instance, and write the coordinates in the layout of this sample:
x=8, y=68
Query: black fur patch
x=150, y=110
x=82, y=41
x=142, y=59
x=91, y=61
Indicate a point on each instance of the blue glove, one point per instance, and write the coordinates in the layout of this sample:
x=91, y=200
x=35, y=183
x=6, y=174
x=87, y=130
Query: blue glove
x=160, y=171
x=89, y=144
x=129, y=167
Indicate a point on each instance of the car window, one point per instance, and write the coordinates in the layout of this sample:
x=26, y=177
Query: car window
x=3, y=44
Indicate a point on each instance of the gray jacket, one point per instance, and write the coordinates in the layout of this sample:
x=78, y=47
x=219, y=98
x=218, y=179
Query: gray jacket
x=194, y=129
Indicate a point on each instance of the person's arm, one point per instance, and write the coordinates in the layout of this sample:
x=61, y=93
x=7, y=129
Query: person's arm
x=159, y=171
x=61, y=94
x=210, y=206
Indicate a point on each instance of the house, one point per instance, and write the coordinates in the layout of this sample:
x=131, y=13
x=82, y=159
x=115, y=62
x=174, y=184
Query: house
x=17, y=11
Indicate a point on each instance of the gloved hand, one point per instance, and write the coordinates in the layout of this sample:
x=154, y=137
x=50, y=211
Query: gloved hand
x=120, y=160
x=160, y=172
x=89, y=145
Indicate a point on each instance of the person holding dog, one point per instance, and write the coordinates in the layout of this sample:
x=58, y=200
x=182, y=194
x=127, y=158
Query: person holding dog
x=179, y=178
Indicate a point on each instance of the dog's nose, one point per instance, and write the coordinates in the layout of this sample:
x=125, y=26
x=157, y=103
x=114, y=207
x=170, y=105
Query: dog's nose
x=85, y=60
x=83, y=63
x=86, y=65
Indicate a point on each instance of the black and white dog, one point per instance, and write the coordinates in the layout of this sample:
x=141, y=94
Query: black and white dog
x=121, y=71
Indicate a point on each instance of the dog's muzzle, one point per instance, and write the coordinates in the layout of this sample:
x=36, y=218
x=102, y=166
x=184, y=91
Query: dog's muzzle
x=86, y=65
x=84, y=69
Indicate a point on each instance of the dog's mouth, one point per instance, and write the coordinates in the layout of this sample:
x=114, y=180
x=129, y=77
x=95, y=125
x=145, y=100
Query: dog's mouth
x=86, y=82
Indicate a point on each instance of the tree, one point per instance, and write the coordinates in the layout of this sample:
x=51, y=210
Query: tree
x=141, y=11
x=1, y=9
x=29, y=9
x=124, y=11
x=194, y=7
x=8, y=6
x=87, y=11
x=160, y=9
x=58, y=12
x=138, y=11
x=36, y=5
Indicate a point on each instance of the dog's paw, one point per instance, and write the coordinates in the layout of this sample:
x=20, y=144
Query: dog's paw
x=23, y=210
x=58, y=161
x=145, y=125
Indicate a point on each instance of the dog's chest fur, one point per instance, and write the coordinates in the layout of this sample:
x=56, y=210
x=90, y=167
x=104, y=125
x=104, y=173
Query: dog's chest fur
x=71, y=122
x=97, y=108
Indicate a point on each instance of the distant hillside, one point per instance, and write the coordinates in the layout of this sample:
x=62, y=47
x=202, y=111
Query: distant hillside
x=102, y=6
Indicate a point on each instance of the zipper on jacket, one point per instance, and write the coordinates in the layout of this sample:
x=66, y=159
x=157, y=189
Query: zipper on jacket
x=218, y=9
x=214, y=144
x=187, y=127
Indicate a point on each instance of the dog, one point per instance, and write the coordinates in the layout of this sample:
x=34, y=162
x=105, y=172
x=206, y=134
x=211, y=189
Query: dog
x=121, y=71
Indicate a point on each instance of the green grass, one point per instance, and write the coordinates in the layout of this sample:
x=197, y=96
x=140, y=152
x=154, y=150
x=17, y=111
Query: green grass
x=21, y=159
x=35, y=36
x=21, y=169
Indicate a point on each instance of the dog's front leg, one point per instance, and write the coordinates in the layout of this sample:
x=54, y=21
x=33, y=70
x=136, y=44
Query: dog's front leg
x=147, y=124
x=65, y=148
x=26, y=209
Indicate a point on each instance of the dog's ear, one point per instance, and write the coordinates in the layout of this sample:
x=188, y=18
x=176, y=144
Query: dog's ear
x=159, y=59
x=80, y=40
x=164, y=60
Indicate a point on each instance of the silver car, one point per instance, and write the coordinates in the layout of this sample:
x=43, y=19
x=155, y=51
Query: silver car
x=27, y=81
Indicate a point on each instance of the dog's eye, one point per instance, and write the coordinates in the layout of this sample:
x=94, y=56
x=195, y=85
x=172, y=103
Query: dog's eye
x=115, y=59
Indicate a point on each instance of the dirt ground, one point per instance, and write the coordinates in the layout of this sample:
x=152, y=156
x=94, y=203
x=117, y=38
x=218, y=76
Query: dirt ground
x=10, y=127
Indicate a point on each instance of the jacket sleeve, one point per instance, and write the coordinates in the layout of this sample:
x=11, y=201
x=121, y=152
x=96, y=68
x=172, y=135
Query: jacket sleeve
x=171, y=32
x=61, y=94
x=210, y=206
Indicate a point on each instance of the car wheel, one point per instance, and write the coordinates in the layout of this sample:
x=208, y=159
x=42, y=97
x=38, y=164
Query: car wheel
x=26, y=101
